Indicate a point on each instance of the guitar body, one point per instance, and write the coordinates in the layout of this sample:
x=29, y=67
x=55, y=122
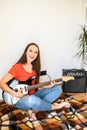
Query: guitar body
x=9, y=99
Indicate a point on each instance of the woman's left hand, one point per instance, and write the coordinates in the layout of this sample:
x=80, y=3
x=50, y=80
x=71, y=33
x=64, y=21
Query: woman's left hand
x=52, y=83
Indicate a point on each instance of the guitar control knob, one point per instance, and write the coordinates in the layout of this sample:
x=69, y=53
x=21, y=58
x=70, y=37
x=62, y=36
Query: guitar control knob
x=16, y=90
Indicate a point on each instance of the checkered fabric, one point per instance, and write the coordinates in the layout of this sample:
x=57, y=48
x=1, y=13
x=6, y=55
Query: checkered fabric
x=64, y=119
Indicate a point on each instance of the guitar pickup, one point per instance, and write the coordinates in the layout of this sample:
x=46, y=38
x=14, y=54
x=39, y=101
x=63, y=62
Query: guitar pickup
x=26, y=89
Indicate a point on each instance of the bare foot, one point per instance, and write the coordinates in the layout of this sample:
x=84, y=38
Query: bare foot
x=31, y=114
x=60, y=105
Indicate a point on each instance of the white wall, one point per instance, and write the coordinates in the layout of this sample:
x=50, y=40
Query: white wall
x=53, y=24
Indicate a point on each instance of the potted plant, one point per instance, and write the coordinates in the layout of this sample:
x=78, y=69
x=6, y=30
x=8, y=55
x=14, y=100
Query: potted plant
x=82, y=45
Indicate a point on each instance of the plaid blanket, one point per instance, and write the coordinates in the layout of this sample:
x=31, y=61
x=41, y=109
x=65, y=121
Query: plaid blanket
x=64, y=119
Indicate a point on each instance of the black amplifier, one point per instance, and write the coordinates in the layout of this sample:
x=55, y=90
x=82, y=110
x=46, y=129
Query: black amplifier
x=79, y=84
x=77, y=73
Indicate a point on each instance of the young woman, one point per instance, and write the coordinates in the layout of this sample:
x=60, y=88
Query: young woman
x=27, y=71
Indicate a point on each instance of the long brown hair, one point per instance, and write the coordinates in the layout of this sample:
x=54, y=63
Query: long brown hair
x=36, y=63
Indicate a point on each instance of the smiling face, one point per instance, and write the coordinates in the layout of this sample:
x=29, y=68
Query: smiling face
x=32, y=53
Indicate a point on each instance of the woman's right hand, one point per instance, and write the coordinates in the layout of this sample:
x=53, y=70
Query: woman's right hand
x=19, y=94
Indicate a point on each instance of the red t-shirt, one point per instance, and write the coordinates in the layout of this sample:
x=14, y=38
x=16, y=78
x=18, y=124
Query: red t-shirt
x=20, y=74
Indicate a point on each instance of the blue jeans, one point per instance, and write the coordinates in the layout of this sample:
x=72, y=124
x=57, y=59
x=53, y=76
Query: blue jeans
x=41, y=101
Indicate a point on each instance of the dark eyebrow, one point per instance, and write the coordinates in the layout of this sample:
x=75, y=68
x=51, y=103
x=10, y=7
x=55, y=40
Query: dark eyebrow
x=36, y=51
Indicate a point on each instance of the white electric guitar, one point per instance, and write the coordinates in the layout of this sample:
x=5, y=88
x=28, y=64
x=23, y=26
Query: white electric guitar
x=11, y=100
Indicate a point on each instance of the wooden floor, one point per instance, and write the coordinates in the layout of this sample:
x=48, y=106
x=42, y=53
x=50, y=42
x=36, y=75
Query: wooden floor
x=80, y=96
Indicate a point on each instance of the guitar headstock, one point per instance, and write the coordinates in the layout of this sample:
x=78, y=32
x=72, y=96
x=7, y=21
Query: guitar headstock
x=67, y=78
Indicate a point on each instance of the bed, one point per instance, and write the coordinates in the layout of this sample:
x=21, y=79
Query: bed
x=64, y=119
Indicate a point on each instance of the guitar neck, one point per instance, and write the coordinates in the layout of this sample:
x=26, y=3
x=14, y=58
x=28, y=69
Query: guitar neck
x=42, y=84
